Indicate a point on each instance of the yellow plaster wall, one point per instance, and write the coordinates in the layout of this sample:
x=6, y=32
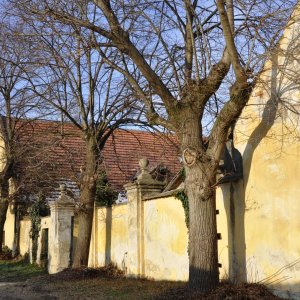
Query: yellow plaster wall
x=25, y=243
x=222, y=229
x=109, y=242
x=45, y=224
x=268, y=138
x=9, y=222
x=272, y=207
x=165, y=239
x=9, y=227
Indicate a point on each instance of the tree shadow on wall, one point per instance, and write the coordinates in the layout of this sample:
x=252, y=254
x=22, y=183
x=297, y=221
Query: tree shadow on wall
x=234, y=192
x=108, y=229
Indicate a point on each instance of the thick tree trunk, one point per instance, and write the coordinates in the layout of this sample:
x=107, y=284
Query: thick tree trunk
x=85, y=213
x=203, y=247
x=85, y=220
x=200, y=172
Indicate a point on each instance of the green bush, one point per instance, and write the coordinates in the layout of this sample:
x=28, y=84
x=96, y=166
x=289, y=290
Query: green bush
x=105, y=194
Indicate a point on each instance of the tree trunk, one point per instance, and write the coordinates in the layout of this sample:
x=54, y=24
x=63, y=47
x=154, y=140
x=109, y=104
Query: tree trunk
x=3, y=211
x=203, y=247
x=199, y=184
x=3, y=208
x=16, y=243
x=87, y=198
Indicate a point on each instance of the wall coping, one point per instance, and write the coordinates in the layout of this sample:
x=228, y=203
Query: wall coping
x=112, y=206
x=163, y=195
x=61, y=206
x=143, y=185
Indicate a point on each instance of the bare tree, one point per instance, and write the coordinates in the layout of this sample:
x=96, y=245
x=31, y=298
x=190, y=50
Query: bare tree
x=191, y=63
x=24, y=152
x=71, y=76
x=15, y=103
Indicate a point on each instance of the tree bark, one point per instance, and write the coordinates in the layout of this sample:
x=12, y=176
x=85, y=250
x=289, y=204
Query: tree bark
x=87, y=198
x=3, y=209
x=203, y=247
x=200, y=170
x=16, y=243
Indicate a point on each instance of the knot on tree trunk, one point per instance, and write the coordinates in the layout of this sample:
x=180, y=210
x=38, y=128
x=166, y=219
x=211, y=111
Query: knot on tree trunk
x=207, y=193
x=190, y=156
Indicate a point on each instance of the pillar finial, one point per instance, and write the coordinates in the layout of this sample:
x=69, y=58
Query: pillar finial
x=144, y=163
x=62, y=188
x=145, y=175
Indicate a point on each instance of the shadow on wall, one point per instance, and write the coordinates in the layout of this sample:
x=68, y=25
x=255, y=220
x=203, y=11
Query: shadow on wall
x=108, y=236
x=74, y=239
x=234, y=192
x=108, y=229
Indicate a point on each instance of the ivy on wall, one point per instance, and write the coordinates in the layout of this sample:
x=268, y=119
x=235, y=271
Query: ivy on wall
x=185, y=203
x=105, y=194
x=37, y=210
x=182, y=196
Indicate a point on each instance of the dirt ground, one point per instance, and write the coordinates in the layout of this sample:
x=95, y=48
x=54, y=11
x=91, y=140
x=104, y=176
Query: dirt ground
x=22, y=281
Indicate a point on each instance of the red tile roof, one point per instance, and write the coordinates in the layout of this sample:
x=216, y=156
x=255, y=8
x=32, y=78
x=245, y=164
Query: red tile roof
x=121, y=153
x=124, y=149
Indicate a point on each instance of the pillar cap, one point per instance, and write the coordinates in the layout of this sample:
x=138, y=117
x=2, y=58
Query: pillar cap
x=145, y=176
x=144, y=179
x=63, y=200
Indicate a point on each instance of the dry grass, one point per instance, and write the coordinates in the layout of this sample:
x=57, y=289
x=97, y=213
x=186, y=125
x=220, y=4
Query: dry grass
x=109, y=283
x=225, y=290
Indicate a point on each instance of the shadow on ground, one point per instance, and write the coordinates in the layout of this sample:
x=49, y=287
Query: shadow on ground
x=106, y=283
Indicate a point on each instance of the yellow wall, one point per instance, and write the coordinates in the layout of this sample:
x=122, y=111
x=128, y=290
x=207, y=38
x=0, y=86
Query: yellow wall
x=25, y=228
x=25, y=241
x=166, y=239
x=109, y=242
x=45, y=224
x=272, y=207
x=267, y=202
x=222, y=229
x=9, y=227
x=10, y=221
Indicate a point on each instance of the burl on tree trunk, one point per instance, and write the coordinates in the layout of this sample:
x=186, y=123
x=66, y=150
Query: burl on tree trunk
x=200, y=171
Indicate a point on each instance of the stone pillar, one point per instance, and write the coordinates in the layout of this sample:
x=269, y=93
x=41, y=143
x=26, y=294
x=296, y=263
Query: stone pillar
x=60, y=231
x=144, y=186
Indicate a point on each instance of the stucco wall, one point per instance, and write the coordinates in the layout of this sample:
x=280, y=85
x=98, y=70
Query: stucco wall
x=222, y=229
x=166, y=239
x=45, y=224
x=9, y=227
x=267, y=201
x=25, y=241
x=271, y=216
x=109, y=242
